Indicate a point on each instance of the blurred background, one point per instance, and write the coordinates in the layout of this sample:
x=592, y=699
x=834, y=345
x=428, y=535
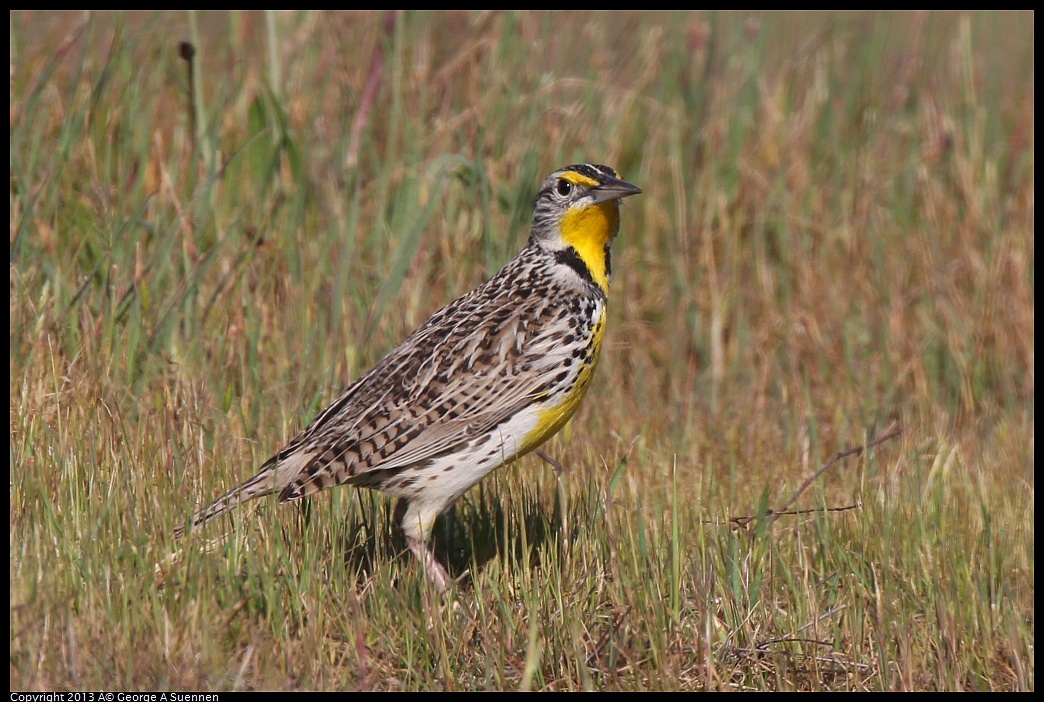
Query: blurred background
x=218, y=220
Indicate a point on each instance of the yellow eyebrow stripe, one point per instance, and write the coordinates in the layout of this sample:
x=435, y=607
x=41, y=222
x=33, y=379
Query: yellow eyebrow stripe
x=578, y=179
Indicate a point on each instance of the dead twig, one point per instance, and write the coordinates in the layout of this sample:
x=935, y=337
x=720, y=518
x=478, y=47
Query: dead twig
x=854, y=451
x=774, y=514
x=743, y=521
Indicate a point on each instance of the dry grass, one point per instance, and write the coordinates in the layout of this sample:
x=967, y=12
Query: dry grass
x=836, y=235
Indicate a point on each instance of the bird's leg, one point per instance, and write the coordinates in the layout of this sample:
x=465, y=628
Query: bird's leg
x=432, y=568
x=417, y=521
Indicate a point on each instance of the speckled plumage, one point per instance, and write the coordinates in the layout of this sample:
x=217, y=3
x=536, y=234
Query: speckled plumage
x=484, y=380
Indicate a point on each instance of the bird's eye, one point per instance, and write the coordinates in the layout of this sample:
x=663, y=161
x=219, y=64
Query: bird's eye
x=563, y=187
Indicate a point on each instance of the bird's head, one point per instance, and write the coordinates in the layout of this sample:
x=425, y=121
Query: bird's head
x=577, y=214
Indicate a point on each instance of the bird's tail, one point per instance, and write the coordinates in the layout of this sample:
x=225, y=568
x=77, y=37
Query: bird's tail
x=264, y=483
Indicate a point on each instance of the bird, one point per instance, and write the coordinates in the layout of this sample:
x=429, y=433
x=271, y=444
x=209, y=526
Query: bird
x=485, y=380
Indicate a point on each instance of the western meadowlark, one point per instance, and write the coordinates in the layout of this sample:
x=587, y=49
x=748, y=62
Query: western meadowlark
x=485, y=380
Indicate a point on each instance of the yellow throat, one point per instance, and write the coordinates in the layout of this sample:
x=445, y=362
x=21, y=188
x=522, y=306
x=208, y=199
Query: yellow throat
x=589, y=230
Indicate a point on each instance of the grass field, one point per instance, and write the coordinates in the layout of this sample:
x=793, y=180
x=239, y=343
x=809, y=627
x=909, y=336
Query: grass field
x=835, y=240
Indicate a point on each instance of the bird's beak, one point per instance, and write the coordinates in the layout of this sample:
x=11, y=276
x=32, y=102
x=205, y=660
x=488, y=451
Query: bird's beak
x=613, y=189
